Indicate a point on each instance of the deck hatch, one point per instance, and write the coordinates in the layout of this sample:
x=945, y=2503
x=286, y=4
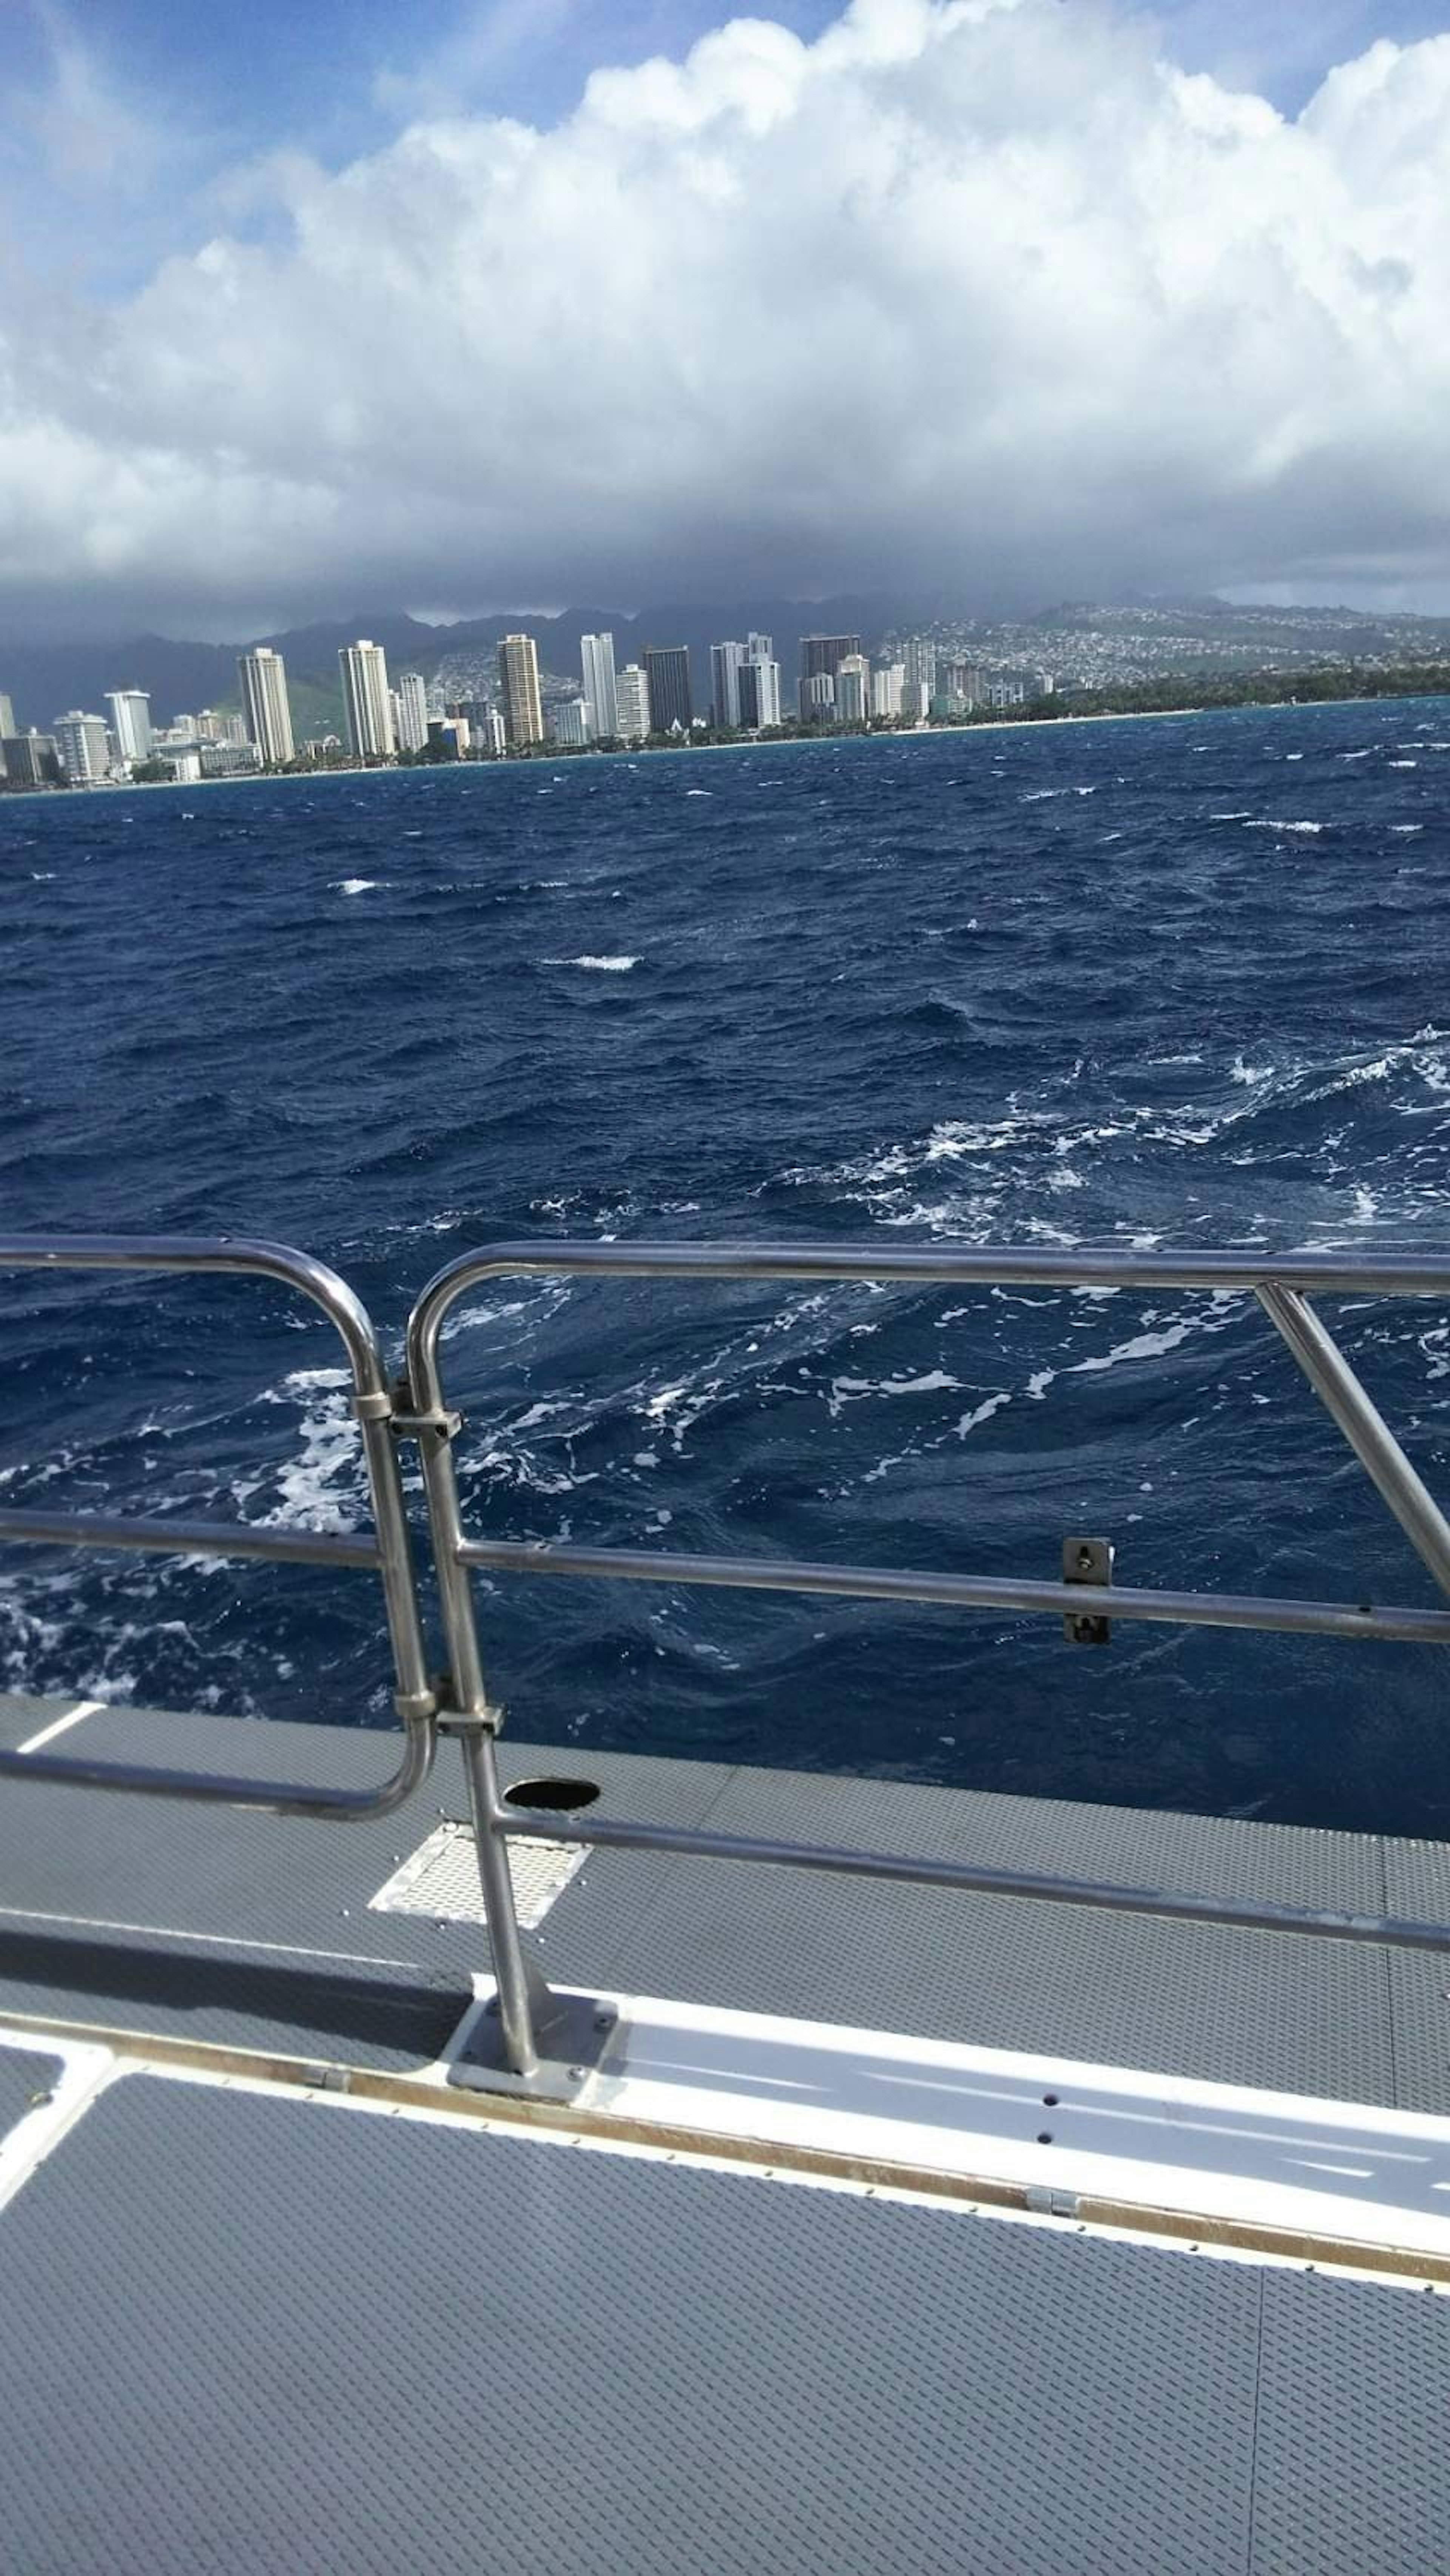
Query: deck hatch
x=441, y=1877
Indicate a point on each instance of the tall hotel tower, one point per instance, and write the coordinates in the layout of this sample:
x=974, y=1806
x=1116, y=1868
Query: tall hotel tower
x=131, y=722
x=518, y=671
x=596, y=653
x=266, y=708
x=364, y=669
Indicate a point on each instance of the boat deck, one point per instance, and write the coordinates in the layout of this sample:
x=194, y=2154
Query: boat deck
x=279, y=2294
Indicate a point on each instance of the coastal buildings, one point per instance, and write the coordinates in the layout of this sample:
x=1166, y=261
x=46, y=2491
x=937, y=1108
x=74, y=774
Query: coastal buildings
x=130, y=722
x=596, y=654
x=633, y=703
x=412, y=711
x=853, y=689
x=725, y=667
x=569, y=723
x=369, y=717
x=83, y=746
x=518, y=672
x=759, y=685
x=30, y=759
x=887, y=683
x=7, y=718
x=492, y=737
x=266, y=708
x=671, y=704
x=821, y=659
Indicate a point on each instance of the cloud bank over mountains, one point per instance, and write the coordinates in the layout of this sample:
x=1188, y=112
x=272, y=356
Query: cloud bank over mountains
x=986, y=294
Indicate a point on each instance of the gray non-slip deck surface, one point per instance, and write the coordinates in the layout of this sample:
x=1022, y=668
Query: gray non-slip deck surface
x=296, y=2338
x=201, y=1889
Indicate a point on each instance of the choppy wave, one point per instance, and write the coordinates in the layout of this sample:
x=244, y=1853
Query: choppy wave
x=873, y=1013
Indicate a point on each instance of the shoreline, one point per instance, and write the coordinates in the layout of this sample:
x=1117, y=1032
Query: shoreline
x=632, y=753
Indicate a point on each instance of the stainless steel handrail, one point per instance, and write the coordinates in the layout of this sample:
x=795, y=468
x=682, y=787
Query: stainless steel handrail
x=388, y=1548
x=1282, y=1284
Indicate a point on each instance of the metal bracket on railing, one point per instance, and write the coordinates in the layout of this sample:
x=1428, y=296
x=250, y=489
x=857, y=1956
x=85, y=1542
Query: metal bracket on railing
x=1088, y=1560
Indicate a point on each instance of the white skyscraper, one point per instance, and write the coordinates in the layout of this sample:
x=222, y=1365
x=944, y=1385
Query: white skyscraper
x=266, y=707
x=494, y=736
x=130, y=722
x=725, y=667
x=569, y=722
x=596, y=653
x=84, y=747
x=759, y=685
x=7, y=716
x=887, y=682
x=633, y=703
x=412, y=711
x=853, y=689
x=364, y=669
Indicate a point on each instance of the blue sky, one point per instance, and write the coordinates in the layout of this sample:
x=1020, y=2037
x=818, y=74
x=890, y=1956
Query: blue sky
x=156, y=110
x=1089, y=296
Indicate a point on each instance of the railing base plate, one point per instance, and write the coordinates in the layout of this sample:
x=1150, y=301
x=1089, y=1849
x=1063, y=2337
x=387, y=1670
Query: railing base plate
x=573, y=2038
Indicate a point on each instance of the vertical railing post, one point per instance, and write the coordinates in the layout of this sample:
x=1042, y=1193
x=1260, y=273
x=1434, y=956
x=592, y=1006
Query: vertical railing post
x=1363, y=1426
x=523, y=1995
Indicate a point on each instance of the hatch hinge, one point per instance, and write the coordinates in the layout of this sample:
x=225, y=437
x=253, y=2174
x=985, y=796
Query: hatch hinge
x=1045, y=2202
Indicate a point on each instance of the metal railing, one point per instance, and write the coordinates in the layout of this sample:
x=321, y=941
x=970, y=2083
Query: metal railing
x=1283, y=1286
x=459, y=1704
x=387, y=1548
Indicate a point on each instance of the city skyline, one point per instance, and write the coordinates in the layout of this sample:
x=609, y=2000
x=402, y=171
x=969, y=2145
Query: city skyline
x=1162, y=291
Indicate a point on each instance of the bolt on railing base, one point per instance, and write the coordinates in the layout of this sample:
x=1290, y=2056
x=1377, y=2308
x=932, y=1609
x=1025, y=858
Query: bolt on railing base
x=572, y=2037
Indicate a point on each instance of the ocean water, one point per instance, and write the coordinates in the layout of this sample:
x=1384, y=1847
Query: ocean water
x=1177, y=982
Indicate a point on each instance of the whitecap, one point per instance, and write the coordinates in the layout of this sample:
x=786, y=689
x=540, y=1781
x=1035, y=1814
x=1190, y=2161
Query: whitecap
x=1270, y=823
x=1240, y=1072
x=1358, y=755
x=1404, y=829
x=597, y=965
x=1402, y=764
x=699, y=791
x=353, y=885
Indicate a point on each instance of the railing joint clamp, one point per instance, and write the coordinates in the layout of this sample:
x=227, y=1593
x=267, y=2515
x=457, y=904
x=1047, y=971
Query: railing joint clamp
x=413, y=1706
x=376, y=1407
x=470, y=1721
x=440, y=1420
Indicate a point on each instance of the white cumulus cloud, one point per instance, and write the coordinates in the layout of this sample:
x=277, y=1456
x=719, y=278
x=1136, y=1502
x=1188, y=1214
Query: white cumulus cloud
x=986, y=292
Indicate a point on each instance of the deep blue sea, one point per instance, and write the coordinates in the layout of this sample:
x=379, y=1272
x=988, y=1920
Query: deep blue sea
x=1177, y=982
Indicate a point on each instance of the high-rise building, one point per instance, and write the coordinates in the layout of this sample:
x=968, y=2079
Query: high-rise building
x=412, y=711
x=569, y=722
x=671, y=704
x=491, y=734
x=30, y=759
x=887, y=682
x=725, y=667
x=518, y=671
x=369, y=716
x=266, y=707
x=633, y=703
x=84, y=747
x=7, y=717
x=130, y=722
x=818, y=698
x=921, y=664
x=759, y=684
x=759, y=648
x=218, y=725
x=596, y=653
x=821, y=658
x=853, y=689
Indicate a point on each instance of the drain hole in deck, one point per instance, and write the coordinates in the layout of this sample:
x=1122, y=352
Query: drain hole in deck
x=1049, y=2101
x=1044, y=2137
x=552, y=1793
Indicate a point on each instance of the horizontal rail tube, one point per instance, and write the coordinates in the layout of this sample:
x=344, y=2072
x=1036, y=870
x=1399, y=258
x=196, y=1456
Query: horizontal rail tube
x=248, y=1255
x=186, y=1538
x=922, y=1265
x=214, y=1788
x=962, y=1591
x=1391, y=1931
